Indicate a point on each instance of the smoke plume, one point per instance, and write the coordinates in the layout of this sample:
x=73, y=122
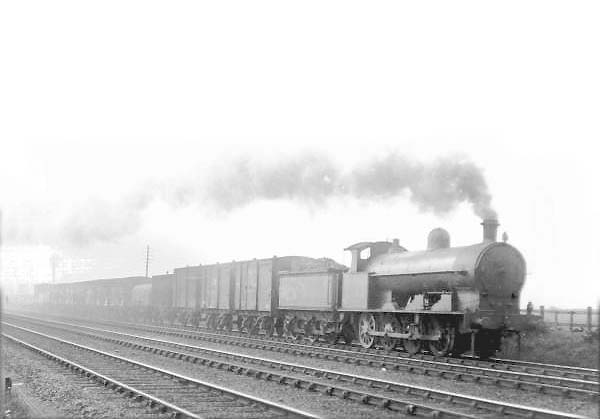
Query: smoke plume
x=309, y=178
x=436, y=187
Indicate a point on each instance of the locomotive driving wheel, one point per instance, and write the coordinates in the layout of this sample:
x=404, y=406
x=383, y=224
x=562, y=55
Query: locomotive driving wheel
x=366, y=325
x=445, y=344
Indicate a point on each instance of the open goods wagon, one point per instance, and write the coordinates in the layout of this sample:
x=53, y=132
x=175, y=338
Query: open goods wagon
x=244, y=294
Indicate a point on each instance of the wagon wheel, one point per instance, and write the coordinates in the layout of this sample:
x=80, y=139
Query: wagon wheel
x=290, y=327
x=412, y=346
x=267, y=326
x=445, y=344
x=239, y=323
x=253, y=326
x=311, y=329
x=301, y=326
x=228, y=323
x=366, y=325
x=221, y=321
x=215, y=322
x=280, y=326
x=247, y=324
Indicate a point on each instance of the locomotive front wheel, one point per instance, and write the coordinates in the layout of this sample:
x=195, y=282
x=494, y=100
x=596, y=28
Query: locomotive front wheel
x=366, y=325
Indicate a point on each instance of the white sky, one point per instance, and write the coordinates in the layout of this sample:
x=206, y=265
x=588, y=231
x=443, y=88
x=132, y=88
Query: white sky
x=98, y=98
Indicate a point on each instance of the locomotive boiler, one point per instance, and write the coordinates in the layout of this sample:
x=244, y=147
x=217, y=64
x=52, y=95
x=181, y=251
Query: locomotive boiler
x=445, y=299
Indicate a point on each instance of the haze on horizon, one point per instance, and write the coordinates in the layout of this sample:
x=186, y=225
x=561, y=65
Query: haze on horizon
x=120, y=117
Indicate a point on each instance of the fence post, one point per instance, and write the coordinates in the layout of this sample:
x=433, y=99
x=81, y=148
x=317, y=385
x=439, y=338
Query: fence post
x=556, y=317
x=589, y=318
x=571, y=313
x=542, y=312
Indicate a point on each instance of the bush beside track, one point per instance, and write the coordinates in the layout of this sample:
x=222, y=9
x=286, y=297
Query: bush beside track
x=551, y=345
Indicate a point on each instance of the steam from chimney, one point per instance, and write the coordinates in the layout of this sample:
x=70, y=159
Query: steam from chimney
x=310, y=178
x=313, y=178
x=437, y=187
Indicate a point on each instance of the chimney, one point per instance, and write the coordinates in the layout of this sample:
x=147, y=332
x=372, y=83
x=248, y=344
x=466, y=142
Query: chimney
x=490, y=229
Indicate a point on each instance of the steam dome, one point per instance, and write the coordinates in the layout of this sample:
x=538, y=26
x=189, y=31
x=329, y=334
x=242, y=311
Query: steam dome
x=438, y=238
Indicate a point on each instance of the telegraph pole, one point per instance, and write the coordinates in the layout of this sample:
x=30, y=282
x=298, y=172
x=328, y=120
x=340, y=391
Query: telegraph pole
x=147, y=259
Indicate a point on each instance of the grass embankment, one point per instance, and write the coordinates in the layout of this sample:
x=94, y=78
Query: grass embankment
x=560, y=346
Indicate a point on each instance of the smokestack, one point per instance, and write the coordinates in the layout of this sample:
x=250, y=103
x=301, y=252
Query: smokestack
x=490, y=229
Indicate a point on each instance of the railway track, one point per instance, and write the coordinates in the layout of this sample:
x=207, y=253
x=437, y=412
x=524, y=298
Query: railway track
x=552, y=370
x=243, y=364
x=164, y=390
x=550, y=380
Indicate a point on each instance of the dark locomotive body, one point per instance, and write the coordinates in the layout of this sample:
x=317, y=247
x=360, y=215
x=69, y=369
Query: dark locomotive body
x=444, y=299
x=448, y=299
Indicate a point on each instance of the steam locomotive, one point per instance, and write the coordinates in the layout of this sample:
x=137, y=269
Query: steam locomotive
x=447, y=300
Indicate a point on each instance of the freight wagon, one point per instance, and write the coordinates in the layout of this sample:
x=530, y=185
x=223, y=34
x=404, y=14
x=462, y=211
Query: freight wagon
x=246, y=294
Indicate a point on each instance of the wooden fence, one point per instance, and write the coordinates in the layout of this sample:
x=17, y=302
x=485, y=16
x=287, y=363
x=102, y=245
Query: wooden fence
x=585, y=318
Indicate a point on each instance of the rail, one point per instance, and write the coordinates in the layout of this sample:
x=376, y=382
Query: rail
x=482, y=406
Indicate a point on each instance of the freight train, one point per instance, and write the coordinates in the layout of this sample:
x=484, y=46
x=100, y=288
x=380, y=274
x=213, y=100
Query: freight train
x=445, y=300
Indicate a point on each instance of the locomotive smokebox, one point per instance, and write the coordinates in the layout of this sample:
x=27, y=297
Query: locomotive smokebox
x=490, y=229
